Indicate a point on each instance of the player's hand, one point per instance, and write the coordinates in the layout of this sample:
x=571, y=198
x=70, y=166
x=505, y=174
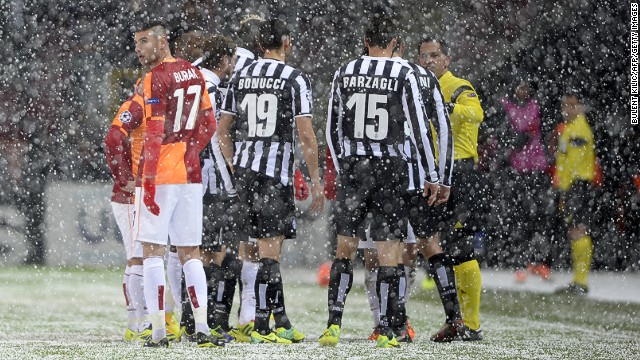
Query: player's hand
x=431, y=192
x=443, y=195
x=317, y=196
x=149, y=197
x=301, y=187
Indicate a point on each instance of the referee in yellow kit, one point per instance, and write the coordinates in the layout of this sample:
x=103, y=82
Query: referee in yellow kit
x=461, y=218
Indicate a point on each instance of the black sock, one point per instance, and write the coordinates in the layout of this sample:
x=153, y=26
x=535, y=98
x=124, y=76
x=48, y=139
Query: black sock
x=215, y=291
x=224, y=301
x=187, y=320
x=387, y=289
x=400, y=316
x=275, y=294
x=340, y=281
x=269, y=297
x=441, y=270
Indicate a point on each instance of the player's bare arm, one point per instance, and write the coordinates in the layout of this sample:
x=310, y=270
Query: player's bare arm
x=310, y=148
x=226, y=145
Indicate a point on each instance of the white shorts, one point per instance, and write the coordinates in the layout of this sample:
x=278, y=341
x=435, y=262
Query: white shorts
x=180, y=216
x=124, y=215
x=368, y=243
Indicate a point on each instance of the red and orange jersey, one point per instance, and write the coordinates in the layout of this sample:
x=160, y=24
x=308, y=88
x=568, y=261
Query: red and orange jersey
x=124, y=144
x=176, y=95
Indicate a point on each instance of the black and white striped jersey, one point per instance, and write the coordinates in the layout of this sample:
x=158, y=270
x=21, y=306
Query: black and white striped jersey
x=216, y=175
x=375, y=103
x=439, y=117
x=244, y=58
x=266, y=97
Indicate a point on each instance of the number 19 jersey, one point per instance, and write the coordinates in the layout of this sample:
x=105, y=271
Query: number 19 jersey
x=266, y=97
x=375, y=104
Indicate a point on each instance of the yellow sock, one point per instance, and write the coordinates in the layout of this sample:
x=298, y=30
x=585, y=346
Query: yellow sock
x=469, y=287
x=581, y=254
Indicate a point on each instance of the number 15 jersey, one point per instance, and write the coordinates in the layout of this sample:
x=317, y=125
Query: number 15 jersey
x=266, y=97
x=375, y=104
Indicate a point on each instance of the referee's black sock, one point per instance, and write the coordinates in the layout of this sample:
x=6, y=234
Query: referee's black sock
x=400, y=316
x=340, y=281
x=387, y=289
x=441, y=269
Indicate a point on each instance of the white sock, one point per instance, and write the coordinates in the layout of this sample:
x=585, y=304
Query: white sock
x=136, y=295
x=248, y=296
x=410, y=273
x=196, y=282
x=370, y=279
x=174, y=275
x=131, y=310
x=154, y=284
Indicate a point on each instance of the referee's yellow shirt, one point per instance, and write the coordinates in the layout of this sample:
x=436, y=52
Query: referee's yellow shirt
x=575, y=154
x=466, y=116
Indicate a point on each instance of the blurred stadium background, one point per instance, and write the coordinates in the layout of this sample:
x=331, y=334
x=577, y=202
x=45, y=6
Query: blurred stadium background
x=67, y=65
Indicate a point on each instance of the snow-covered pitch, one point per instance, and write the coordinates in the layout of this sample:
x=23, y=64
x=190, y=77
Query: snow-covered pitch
x=79, y=313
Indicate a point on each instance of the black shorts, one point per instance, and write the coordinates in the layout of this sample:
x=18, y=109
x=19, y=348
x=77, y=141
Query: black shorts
x=424, y=219
x=223, y=222
x=372, y=190
x=464, y=209
x=270, y=205
x=577, y=204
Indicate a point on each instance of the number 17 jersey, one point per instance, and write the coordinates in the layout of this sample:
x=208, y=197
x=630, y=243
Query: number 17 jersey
x=266, y=97
x=175, y=93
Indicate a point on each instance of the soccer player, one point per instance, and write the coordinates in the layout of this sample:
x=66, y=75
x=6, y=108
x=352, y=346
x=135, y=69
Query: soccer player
x=187, y=46
x=371, y=100
x=123, y=147
x=423, y=217
x=270, y=99
x=574, y=177
x=223, y=223
x=179, y=124
x=247, y=36
x=460, y=216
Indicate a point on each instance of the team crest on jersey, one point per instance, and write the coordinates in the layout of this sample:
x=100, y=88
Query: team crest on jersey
x=125, y=117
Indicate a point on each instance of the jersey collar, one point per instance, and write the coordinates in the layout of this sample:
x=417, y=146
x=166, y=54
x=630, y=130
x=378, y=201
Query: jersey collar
x=240, y=51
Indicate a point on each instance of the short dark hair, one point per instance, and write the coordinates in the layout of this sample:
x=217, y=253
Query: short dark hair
x=444, y=47
x=159, y=27
x=248, y=28
x=215, y=48
x=184, y=29
x=271, y=34
x=380, y=30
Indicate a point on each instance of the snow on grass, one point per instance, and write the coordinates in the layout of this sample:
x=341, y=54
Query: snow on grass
x=79, y=313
